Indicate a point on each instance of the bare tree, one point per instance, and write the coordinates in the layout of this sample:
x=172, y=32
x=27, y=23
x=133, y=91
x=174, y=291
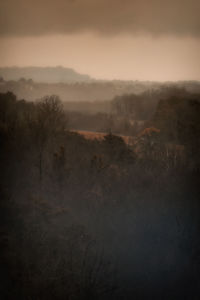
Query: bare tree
x=50, y=122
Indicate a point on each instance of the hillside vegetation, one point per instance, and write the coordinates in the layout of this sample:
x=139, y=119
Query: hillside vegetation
x=97, y=219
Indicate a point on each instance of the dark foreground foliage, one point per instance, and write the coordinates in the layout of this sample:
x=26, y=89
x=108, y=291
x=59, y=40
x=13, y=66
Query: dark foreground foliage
x=84, y=219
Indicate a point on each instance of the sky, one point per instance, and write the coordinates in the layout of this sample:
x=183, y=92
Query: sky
x=106, y=39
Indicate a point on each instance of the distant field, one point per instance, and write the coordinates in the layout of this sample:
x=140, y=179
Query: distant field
x=90, y=135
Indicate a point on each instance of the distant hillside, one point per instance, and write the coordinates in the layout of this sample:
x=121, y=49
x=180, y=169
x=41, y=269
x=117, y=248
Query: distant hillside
x=44, y=74
x=94, y=90
x=85, y=91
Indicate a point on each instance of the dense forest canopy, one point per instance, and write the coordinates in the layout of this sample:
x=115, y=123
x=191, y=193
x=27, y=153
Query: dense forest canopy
x=87, y=218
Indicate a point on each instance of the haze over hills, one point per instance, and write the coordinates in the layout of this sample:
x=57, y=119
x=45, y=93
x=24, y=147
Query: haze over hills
x=82, y=91
x=57, y=74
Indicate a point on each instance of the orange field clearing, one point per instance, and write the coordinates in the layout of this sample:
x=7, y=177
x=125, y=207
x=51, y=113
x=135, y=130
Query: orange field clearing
x=90, y=135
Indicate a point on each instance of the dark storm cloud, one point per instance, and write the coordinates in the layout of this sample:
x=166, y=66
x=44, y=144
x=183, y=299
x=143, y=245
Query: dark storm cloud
x=37, y=17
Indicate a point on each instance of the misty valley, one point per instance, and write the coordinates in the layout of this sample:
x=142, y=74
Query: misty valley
x=99, y=194
x=99, y=150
